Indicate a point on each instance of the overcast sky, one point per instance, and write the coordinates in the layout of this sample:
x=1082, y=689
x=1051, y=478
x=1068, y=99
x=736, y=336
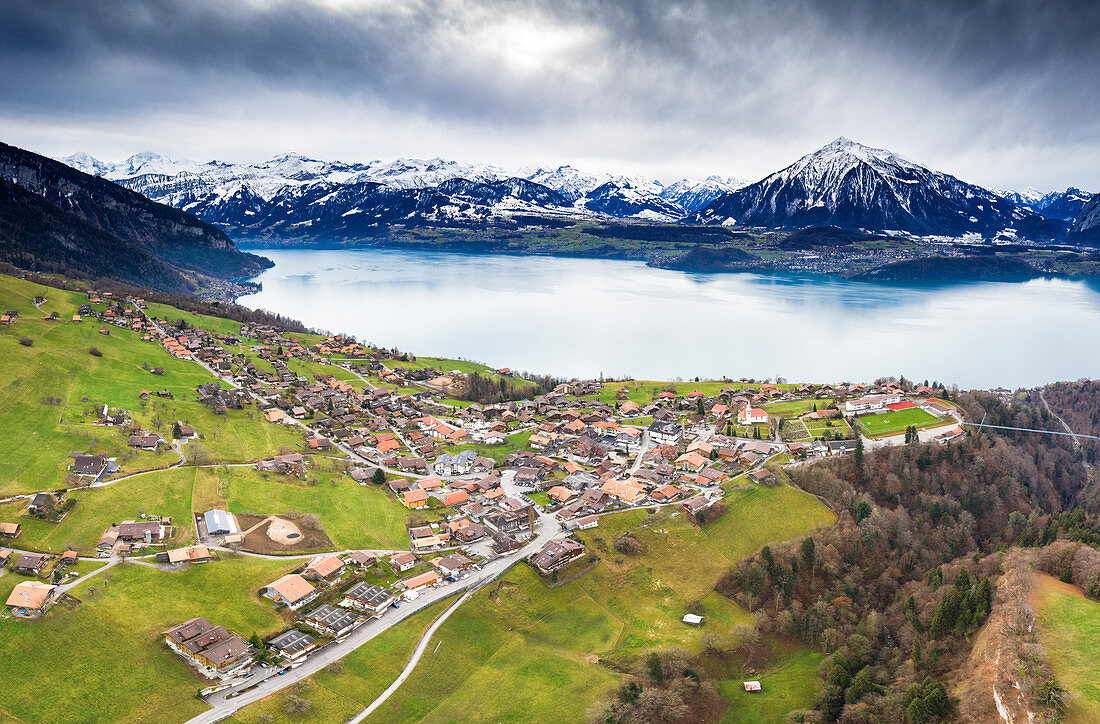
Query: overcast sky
x=1001, y=93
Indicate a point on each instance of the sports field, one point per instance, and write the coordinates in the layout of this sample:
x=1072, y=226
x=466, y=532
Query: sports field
x=893, y=423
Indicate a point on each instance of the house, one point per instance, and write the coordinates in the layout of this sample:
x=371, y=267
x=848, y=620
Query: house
x=215, y=652
x=664, y=432
x=292, y=644
x=586, y=522
x=431, y=542
x=415, y=499
x=401, y=562
x=275, y=415
x=871, y=403
x=5, y=558
x=332, y=621
x=452, y=565
x=41, y=504
x=626, y=491
x=145, y=440
x=752, y=416
x=470, y=533
x=761, y=475
x=455, y=497
x=665, y=493
x=423, y=580
x=457, y=464
x=218, y=522
x=142, y=531
x=68, y=558
x=692, y=461
x=557, y=554
x=369, y=598
x=31, y=598
x=325, y=568
x=561, y=494
x=30, y=563
x=697, y=504
x=180, y=556
x=291, y=590
x=91, y=466
x=10, y=530
x=361, y=559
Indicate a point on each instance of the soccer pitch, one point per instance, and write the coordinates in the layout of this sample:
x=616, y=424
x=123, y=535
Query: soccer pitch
x=892, y=423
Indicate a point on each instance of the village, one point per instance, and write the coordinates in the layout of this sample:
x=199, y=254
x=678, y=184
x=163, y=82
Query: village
x=485, y=485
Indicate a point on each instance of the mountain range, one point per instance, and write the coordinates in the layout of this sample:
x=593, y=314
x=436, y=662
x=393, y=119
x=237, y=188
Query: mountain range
x=843, y=184
x=293, y=196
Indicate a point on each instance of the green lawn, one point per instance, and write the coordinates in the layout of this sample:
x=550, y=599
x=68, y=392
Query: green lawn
x=1069, y=627
x=892, y=423
x=790, y=683
x=52, y=389
x=166, y=492
x=511, y=444
x=761, y=515
x=796, y=407
x=111, y=643
x=353, y=515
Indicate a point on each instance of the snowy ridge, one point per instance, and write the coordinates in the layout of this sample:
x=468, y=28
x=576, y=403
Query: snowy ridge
x=844, y=183
x=853, y=186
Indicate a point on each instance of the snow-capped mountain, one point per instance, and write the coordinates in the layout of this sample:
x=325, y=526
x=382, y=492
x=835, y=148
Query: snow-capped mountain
x=694, y=195
x=1086, y=229
x=853, y=186
x=1062, y=205
x=295, y=191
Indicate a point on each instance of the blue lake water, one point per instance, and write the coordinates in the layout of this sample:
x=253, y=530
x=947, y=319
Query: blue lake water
x=581, y=317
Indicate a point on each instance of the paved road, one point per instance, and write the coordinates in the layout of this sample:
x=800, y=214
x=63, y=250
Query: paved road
x=224, y=703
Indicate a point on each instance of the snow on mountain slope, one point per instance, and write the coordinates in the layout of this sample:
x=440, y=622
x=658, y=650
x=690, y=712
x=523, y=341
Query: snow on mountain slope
x=1062, y=205
x=1086, y=228
x=853, y=186
x=694, y=195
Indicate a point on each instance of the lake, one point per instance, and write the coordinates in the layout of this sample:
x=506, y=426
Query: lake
x=582, y=317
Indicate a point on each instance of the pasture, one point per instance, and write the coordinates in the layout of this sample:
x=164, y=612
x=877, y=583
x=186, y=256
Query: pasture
x=1069, y=627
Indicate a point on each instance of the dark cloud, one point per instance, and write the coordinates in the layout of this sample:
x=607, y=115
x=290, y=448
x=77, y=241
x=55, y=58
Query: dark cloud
x=972, y=85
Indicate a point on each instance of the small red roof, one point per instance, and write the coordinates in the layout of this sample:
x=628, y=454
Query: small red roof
x=903, y=405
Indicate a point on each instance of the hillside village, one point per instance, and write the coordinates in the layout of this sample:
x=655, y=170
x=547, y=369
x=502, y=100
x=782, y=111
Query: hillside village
x=482, y=486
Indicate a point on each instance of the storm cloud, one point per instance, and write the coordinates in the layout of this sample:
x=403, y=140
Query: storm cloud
x=997, y=92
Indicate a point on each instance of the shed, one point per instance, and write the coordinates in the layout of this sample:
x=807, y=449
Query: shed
x=752, y=686
x=693, y=619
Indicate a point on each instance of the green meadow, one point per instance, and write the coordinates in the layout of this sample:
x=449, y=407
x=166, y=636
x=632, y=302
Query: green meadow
x=1069, y=627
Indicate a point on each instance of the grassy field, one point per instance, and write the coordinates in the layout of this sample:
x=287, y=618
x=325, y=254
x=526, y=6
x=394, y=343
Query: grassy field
x=790, y=683
x=353, y=515
x=53, y=388
x=796, y=407
x=110, y=642
x=645, y=391
x=893, y=423
x=761, y=515
x=166, y=492
x=339, y=693
x=1069, y=626
x=511, y=444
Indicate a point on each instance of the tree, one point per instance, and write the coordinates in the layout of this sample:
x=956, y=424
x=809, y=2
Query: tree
x=379, y=476
x=807, y=552
x=858, y=457
x=26, y=341
x=296, y=705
